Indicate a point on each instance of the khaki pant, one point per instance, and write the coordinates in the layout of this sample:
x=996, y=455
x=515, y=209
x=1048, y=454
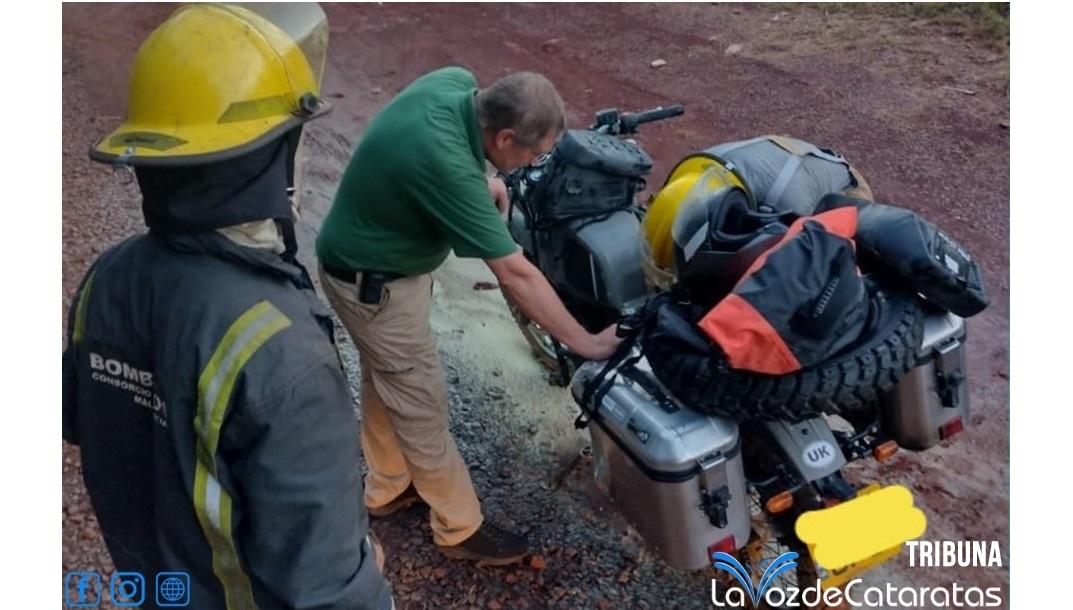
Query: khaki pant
x=404, y=430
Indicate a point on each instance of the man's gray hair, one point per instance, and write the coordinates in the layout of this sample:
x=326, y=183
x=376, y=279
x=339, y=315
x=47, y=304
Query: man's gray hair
x=526, y=102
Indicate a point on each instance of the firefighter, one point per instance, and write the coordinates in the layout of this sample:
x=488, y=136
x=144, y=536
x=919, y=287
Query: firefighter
x=200, y=378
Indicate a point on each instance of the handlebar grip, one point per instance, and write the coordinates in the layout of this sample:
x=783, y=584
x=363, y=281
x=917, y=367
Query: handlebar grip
x=658, y=114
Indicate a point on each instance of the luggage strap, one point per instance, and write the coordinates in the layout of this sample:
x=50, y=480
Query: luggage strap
x=601, y=383
x=806, y=150
x=778, y=188
x=789, y=169
x=726, y=149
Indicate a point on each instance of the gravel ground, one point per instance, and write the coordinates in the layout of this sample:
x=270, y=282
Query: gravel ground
x=887, y=91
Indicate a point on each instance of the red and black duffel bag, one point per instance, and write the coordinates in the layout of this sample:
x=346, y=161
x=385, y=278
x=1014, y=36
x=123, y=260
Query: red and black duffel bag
x=799, y=303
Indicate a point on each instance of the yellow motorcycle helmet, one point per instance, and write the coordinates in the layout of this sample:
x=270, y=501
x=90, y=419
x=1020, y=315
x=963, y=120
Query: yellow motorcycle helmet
x=215, y=81
x=693, y=178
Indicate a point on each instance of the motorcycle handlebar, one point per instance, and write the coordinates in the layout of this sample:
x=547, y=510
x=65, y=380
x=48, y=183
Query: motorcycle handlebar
x=657, y=114
x=628, y=122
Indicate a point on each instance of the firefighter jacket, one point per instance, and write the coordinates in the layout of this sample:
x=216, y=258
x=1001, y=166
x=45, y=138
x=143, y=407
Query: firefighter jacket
x=217, y=432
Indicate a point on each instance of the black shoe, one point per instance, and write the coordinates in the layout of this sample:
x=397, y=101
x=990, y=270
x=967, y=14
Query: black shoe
x=405, y=500
x=489, y=545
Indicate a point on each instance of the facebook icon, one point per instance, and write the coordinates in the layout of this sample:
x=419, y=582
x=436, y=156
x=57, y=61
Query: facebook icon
x=82, y=590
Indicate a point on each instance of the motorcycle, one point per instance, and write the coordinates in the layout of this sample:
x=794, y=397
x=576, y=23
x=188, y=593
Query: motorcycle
x=698, y=484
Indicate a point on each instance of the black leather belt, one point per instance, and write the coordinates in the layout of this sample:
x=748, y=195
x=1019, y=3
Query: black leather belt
x=371, y=291
x=351, y=277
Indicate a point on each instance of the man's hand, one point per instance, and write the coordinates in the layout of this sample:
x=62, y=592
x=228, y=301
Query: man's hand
x=600, y=346
x=498, y=190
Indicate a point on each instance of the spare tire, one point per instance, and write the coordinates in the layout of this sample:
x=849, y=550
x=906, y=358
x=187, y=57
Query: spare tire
x=698, y=374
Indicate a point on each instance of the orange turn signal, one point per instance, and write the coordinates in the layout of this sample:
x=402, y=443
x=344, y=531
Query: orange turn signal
x=884, y=451
x=779, y=502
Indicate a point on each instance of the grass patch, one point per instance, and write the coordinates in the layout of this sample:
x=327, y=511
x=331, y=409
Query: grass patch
x=988, y=20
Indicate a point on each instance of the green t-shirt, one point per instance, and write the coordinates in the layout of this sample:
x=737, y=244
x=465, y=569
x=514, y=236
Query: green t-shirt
x=415, y=188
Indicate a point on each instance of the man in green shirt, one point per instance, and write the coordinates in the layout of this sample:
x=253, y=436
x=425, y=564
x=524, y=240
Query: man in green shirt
x=415, y=190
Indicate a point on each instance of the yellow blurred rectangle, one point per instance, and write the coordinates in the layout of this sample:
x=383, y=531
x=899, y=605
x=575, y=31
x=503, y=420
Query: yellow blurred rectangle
x=862, y=532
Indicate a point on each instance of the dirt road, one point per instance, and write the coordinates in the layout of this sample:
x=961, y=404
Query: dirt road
x=920, y=107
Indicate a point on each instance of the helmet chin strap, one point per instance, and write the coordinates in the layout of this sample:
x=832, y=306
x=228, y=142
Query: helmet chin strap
x=290, y=244
x=286, y=227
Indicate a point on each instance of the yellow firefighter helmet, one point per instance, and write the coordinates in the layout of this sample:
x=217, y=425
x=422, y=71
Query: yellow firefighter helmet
x=215, y=81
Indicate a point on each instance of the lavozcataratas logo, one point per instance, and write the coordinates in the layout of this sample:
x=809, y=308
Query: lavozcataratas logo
x=932, y=555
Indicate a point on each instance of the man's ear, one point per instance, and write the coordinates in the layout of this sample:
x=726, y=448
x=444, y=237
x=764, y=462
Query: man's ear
x=503, y=138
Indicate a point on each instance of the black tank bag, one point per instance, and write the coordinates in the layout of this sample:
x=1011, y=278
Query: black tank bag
x=590, y=174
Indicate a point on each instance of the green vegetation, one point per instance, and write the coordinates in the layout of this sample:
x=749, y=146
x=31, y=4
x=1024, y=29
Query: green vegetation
x=990, y=20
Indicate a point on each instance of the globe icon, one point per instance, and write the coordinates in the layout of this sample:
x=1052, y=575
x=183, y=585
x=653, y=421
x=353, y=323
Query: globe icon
x=172, y=589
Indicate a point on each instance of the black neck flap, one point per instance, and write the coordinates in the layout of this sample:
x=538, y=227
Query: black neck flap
x=198, y=198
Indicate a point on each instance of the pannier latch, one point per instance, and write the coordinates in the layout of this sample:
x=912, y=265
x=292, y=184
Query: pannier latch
x=715, y=505
x=714, y=502
x=948, y=374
